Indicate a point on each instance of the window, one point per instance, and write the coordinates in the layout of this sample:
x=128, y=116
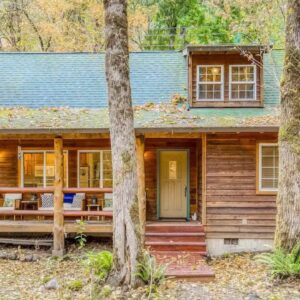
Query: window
x=38, y=168
x=95, y=169
x=209, y=83
x=242, y=82
x=268, y=167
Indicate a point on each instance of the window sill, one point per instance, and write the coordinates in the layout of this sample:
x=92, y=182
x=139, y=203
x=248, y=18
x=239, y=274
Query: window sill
x=266, y=193
x=218, y=103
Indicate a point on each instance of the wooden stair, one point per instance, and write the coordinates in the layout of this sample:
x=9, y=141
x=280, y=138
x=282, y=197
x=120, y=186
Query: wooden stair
x=182, y=247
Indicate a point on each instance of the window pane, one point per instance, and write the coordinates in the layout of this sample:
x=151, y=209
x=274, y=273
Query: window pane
x=172, y=169
x=269, y=166
x=210, y=92
x=210, y=74
x=33, y=169
x=242, y=73
x=107, y=169
x=89, y=169
x=50, y=168
x=241, y=91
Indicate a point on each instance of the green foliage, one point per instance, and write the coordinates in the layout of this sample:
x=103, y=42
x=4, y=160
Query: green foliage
x=281, y=263
x=105, y=292
x=151, y=273
x=80, y=237
x=99, y=264
x=75, y=285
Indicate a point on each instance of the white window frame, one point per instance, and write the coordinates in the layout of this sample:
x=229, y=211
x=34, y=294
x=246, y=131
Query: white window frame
x=101, y=165
x=254, y=82
x=44, y=165
x=260, y=188
x=210, y=82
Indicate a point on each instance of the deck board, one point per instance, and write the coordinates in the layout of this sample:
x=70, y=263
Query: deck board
x=9, y=226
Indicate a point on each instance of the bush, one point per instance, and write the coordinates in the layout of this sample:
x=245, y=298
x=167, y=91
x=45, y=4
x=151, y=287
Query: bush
x=99, y=264
x=281, y=263
x=75, y=285
x=151, y=273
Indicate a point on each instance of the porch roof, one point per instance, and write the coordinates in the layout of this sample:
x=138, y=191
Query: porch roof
x=147, y=118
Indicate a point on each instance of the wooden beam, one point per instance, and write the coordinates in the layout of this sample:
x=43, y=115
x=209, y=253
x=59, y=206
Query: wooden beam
x=31, y=135
x=178, y=135
x=140, y=149
x=204, y=153
x=58, y=226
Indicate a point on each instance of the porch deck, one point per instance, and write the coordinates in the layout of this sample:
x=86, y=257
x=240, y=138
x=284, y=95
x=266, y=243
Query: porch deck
x=46, y=226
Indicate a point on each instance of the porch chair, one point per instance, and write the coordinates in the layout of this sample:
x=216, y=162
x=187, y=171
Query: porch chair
x=108, y=202
x=47, y=202
x=10, y=202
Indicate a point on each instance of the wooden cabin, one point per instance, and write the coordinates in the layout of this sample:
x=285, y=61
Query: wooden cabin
x=206, y=121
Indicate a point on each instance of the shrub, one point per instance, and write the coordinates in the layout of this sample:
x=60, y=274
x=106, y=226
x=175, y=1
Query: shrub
x=99, y=264
x=150, y=272
x=281, y=263
x=81, y=238
x=75, y=285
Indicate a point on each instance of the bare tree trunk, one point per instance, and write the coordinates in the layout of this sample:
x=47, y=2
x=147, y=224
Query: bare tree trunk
x=288, y=199
x=126, y=226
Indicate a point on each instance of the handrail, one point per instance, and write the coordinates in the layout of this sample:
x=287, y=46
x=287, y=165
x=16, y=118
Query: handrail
x=50, y=213
x=4, y=190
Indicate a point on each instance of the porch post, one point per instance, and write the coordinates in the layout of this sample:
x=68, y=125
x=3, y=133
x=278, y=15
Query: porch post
x=140, y=148
x=58, y=226
x=204, y=149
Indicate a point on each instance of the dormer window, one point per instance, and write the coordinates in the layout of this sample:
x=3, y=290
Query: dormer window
x=210, y=83
x=242, y=82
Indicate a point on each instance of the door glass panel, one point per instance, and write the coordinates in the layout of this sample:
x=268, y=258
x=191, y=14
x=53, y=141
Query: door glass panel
x=172, y=169
x=33, y=169
x=50, y=169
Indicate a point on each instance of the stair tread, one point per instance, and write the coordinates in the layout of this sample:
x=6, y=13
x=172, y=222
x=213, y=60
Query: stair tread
x=175, y=243
x=183, y=234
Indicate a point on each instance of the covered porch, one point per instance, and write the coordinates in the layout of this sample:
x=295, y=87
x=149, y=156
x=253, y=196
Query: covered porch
x=35, y=164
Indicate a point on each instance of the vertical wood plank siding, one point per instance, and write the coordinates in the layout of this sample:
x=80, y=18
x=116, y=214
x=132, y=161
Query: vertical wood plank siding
x=234, y=210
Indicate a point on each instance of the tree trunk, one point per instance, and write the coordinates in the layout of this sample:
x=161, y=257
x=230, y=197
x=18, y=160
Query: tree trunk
x=288, y=199
x=126, y=226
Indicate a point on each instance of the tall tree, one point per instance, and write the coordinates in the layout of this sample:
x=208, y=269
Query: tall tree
x=288, y=199
x=126, y=225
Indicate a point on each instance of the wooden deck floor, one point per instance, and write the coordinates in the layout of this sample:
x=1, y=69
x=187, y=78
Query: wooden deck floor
x=9, y=226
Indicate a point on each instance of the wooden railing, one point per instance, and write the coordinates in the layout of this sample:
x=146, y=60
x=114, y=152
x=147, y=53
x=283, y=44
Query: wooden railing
x=7, y=190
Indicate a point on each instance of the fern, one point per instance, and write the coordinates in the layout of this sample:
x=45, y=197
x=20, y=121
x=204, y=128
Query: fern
x=99, y=264
x=281, y=263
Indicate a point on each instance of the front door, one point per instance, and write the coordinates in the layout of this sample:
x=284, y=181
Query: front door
x=173, y=186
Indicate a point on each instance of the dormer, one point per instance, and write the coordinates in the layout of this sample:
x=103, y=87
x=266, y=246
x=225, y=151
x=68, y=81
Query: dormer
x=225, y=76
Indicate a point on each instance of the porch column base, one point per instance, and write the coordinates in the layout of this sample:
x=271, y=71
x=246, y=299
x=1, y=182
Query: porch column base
x=58, y=253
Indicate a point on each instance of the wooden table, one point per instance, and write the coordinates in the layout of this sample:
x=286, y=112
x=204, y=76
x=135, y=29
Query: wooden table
x=96, y=207
x=29, y=203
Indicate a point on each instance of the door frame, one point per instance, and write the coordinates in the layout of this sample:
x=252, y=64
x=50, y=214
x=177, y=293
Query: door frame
x=188, y=204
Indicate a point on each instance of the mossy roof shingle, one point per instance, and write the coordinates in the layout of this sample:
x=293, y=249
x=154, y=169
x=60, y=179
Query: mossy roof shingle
x=68, y=91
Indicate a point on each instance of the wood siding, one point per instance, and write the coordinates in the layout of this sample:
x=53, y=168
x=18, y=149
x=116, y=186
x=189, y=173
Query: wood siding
x=234, y=209
x=226, y=60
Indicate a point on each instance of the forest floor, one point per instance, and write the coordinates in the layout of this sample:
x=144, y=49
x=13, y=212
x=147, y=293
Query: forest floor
x=237, y=277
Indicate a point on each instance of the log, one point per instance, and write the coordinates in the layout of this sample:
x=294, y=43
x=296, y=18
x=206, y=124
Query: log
x=58, y=226
x=140, y=147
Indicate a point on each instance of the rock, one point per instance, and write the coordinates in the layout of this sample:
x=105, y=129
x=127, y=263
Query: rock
x=52, y=284
x=253, y=296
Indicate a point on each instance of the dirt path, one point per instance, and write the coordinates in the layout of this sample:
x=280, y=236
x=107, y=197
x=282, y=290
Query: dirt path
x=237, y=278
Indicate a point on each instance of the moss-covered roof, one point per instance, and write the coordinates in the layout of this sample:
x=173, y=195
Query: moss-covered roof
x=152, y=116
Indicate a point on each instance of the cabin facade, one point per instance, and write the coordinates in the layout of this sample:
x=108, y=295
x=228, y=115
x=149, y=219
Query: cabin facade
x=206, y=124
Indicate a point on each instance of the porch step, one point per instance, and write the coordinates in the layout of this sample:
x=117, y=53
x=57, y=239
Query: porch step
x=175, y=237
x=174, y=227
x=185, y=265
x=176, y=246
x=180, y=246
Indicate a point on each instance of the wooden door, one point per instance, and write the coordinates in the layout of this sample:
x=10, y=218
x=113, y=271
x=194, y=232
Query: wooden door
x=173, y=183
